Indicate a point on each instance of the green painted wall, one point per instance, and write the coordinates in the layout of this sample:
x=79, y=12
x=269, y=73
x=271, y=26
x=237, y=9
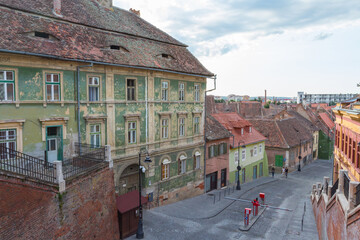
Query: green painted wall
x=326, y=146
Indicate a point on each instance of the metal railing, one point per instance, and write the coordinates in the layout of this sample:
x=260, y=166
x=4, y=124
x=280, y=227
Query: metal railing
x=26, y=165
x=334, y=187
x=90, y=151
x=80, y=165
x=346, y=186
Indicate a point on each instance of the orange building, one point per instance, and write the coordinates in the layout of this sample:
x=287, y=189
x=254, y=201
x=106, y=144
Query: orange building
x=347, y=139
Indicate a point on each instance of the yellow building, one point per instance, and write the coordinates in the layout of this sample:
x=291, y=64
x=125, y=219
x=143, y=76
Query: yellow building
x=347, y=139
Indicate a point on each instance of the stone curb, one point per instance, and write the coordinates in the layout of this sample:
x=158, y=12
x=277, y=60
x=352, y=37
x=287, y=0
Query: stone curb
x=252, y=221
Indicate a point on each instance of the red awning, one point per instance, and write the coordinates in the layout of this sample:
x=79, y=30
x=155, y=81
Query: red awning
x=129, y=201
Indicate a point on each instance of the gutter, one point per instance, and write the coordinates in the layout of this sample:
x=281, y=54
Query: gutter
x=206, y=91
x=78, y=100
x=109, y=64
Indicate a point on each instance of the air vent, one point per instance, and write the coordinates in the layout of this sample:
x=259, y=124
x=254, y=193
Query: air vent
x=42, y=35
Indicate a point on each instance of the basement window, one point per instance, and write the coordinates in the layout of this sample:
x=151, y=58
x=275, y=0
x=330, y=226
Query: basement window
x=42, y=35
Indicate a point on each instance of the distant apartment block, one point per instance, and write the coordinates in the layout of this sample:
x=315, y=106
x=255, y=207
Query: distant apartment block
x=323, y=98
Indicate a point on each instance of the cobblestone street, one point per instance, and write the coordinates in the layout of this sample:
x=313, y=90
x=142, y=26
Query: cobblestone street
x=201, y=218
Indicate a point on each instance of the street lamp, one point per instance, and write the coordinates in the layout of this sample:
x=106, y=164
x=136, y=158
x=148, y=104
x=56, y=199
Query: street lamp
x=299, y=167
x=238, y=166
x=140, y=232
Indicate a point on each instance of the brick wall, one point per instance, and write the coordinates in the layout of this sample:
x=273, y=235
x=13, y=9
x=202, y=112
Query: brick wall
x=87, y=209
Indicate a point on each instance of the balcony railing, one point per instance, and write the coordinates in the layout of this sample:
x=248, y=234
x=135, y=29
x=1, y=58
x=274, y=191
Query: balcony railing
x=22, y=164
x=87, y=158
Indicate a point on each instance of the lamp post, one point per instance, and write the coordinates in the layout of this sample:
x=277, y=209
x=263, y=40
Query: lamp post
x=140, y=232
x=299, y=167
x=238, y=166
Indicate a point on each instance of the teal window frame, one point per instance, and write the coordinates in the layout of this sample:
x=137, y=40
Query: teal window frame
x=6, y=141
x=6, y=82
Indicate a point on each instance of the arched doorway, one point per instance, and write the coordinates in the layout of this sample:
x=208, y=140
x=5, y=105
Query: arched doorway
x=129, y=179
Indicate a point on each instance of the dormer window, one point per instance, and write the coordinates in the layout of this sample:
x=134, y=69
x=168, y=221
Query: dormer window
x=166, y=56
x=42, y=35
x=115, y=47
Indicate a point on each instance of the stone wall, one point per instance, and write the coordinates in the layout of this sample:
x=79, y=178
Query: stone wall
x=336, y=216
x=86, y=210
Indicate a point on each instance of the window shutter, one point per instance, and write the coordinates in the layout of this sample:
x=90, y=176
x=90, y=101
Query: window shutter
x=179, y=166
x=194, y=163
x=216, y=150
x=225, y=148
x=209, y=154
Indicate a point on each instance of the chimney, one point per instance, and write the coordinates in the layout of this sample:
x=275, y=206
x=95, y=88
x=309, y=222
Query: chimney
x=135, y=12
x=105, y=3
x=265, y=95
x=57, y=8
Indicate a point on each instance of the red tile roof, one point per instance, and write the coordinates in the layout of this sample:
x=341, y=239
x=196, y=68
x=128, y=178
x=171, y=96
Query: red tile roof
x=214, y=130
x=325, y=118
x=85, y=32
x=271, y=131
x=129, y=201
x=228, y=120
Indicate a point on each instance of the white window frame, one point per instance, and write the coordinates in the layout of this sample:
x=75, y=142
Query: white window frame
x=94, y=141
x=181, y=126
x=183, y=166
x=181, y=91
x=236, y=157
x=165, y=164
x=196, y=125
x=92, y=84
x=165, y=90
x=165, y=128
x=197, y=92
x=243, y=154
x=6, y=82
x=132, y=132
x=51, y=83
x=197, y=158
x=131, y=87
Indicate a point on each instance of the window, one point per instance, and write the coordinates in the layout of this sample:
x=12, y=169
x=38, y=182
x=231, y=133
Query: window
x=132, y=132
x=251, y=152
x=95, y=135
x=165, y=128
x=197, y=92
x=42, y=35
x=164, y=90
x=197, y=160
x=8, y=140
x=181, y=91
x=243, y=155
x=52, y=87
x=196, y=125
x=165, y=169
x=222, y=148
x=255, y=151
x=211, y=151
x=182, y=164
x=7, y=86
x=236, y=156
x=181, y=127
x=242, y=131
x=94, y=86
x=250, y=129
x=260, y=149
x=131, y=89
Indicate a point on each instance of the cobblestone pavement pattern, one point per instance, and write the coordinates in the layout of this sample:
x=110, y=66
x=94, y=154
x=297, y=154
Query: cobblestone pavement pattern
x=199, y=218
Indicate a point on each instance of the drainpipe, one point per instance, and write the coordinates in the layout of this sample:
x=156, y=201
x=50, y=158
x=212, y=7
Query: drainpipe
x=206, y=91
x=78, y=100
x=146, y=111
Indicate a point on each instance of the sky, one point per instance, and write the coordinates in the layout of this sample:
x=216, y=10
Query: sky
x=283, y=46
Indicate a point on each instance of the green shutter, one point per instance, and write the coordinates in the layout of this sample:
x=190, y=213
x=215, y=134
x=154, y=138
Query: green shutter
x=225, y=148
x=216, y=150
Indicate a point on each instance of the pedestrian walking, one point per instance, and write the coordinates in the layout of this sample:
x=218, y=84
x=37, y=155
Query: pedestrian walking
x=286, y=172
x=273, y=171
x=283, y=171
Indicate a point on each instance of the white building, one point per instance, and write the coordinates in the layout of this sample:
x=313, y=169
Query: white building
x=323, y=98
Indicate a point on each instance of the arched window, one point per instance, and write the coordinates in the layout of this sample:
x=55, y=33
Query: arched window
x=197, y=156
x=182, y=164
x=165, y=169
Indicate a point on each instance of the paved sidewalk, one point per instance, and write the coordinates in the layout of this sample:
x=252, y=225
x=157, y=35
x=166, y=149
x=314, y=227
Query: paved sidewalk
x=203, y=206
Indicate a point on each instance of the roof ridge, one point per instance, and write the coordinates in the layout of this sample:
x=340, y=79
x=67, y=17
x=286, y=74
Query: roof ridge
x=281, y=134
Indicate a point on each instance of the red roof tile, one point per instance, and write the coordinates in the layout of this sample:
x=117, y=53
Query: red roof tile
x=86, y=31
x=228, y=120
x=325, y=118
x=129, y=201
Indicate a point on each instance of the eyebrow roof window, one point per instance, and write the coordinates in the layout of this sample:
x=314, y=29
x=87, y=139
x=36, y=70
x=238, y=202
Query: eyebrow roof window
x=42, y=35
x=115, y=47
